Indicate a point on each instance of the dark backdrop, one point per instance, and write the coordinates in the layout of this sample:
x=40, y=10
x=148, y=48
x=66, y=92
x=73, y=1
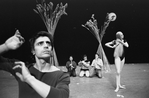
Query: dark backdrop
x=73, y=39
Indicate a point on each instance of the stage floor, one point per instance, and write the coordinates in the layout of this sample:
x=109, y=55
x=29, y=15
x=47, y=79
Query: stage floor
x=134, y=76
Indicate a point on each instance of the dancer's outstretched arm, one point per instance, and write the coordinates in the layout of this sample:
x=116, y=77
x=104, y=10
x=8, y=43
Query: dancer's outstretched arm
x=110, y=44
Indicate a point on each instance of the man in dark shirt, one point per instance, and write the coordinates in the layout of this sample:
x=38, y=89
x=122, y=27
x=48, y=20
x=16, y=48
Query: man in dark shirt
x=71, y=67
x=40, y=79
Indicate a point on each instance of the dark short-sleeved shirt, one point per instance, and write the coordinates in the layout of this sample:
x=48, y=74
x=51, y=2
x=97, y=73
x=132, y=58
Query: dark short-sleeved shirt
x=68, y=64
x=58, y=80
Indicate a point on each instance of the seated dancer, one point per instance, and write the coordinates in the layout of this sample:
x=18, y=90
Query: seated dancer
x=71, y=67
x=119, y=56
x=84, y=64
x=97, y=66
x=40, y=79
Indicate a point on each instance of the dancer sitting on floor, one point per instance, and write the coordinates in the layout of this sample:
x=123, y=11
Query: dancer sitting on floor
x=84, y=64
x=119, y=56
x=71, y=67
x=97, y=66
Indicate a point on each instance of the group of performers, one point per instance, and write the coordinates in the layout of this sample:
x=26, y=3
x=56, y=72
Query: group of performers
x=96, y=67
x=86, y=68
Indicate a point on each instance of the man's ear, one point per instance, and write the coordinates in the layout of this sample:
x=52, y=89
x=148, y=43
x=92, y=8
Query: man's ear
x=33, y=52
x=52, y=53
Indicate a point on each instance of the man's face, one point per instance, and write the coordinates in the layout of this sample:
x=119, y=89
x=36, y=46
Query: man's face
x=71, y=58
x=96, y=56
x=85, y=58
x=42, y=47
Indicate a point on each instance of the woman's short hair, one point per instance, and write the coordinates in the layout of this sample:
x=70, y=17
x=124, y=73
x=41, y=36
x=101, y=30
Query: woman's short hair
x=119, y=35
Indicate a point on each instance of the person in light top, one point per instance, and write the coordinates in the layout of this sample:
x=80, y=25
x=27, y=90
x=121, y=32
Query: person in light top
x=97, y=66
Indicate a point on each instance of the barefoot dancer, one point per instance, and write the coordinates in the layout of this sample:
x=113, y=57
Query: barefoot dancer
x=119, y=56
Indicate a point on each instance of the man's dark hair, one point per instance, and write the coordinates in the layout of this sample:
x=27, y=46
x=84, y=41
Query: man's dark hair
x=84, y=55
x=40, y=34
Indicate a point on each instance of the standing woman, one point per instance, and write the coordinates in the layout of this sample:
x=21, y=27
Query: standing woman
x=119, y=56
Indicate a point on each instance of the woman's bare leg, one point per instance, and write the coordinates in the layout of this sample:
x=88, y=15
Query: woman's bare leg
x=122, y=64
x=118, y=69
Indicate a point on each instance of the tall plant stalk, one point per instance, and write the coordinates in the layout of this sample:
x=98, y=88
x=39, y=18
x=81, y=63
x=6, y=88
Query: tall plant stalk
x=50, y=18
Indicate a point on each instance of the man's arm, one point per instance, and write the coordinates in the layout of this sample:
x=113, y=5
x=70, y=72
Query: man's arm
x=67, y=64
x=74, y=64
x=40, y=87
x=12, y=43
x=47, y=91
x=86, y=64
x=3, y=48
x=100, y=62
x=93, y=63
